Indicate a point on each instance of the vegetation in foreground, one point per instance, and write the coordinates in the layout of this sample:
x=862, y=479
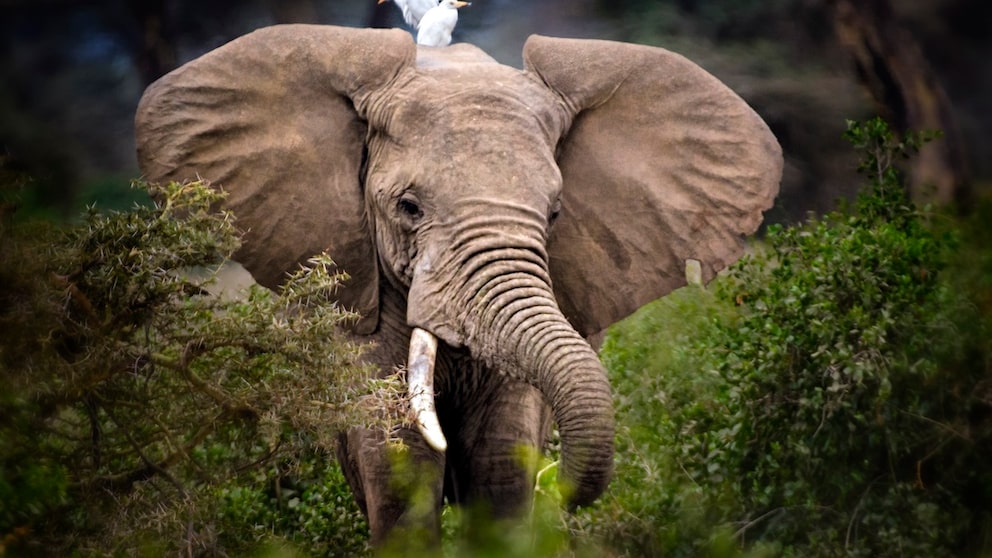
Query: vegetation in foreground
x=142, y=416
x=830, y=396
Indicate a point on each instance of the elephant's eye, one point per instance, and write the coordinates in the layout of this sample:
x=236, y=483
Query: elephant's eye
x=408, y=206
x=555, y=211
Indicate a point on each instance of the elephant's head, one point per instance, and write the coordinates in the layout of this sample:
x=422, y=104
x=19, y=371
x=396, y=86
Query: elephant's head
x=517, y=211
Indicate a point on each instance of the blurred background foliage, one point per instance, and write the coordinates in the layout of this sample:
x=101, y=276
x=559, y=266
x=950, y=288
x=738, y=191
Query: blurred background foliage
x=71, y=74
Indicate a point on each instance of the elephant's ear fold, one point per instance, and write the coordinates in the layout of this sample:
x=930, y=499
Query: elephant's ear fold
x=662, y=164
x=271, y=118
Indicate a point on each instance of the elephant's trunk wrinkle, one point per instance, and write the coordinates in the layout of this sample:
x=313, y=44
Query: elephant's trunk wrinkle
x=513, y=324
x=573, y=381
x=532, y=297
x=545, y=335
x=583, y=410
x=468, y=244
x=525, y=212
x=503, y=307
x=503, y=248
x=510, y=320
x=484, y=263
x=497, y=277
x=476, y=232
x=526, y=316
x=502, y=284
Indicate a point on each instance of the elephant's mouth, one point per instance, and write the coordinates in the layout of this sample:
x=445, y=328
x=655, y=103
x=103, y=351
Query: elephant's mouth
x=420, y=386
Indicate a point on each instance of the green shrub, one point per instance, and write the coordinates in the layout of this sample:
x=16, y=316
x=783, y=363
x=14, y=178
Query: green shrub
x=659, y=503
x=832, y=371
x=831, y=400
x=310, y=508
x=142, y=416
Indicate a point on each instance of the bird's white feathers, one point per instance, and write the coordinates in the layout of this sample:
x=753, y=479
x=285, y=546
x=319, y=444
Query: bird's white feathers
x=438, y=23
x=414, y=10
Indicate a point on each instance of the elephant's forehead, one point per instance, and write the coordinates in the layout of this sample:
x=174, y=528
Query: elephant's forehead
x=476, y=101
x=474, y=126
x=481, y=134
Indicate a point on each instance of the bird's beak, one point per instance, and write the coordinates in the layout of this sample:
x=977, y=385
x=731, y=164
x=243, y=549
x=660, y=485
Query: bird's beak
x=380, y=1
x=462, y=4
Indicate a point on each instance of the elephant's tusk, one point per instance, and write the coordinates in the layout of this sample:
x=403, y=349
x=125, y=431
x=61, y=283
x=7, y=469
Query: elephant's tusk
x=420, y=385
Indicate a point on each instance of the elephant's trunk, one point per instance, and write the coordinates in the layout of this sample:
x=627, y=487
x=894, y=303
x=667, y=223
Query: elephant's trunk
x=522, y=331
x=552, y=356
x=504, y=311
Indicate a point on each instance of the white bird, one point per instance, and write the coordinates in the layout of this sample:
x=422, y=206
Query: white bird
x=414, y=10
x=438, y=23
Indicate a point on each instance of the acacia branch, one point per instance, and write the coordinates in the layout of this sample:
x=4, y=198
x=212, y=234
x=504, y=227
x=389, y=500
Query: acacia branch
x=78, y=296
x=124, y=481
x=151, y=468
x=182, y=366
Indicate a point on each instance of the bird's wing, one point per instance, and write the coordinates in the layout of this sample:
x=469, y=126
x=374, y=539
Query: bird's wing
x=414, y=11
x=411, y=10
x=435, y=27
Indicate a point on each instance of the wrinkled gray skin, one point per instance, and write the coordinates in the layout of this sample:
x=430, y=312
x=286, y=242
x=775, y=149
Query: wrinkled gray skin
x=509, y=213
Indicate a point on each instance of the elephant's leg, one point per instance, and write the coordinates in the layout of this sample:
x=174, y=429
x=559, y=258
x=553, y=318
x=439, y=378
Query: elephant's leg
x=491, y=468
x=400, y=492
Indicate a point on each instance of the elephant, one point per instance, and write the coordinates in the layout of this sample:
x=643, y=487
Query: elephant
x=496, y=217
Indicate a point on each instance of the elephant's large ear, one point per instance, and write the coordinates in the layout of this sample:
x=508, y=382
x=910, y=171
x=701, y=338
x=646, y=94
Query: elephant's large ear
x=662, y=164
x=271, y=118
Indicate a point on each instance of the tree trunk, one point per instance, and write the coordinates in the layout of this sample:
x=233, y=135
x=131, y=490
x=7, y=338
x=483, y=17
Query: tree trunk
x=294, y=11
x=891, y=65
x=380, y=15
x=145, y=28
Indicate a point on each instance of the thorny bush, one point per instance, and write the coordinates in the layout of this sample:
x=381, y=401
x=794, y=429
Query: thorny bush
x=142, y=415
